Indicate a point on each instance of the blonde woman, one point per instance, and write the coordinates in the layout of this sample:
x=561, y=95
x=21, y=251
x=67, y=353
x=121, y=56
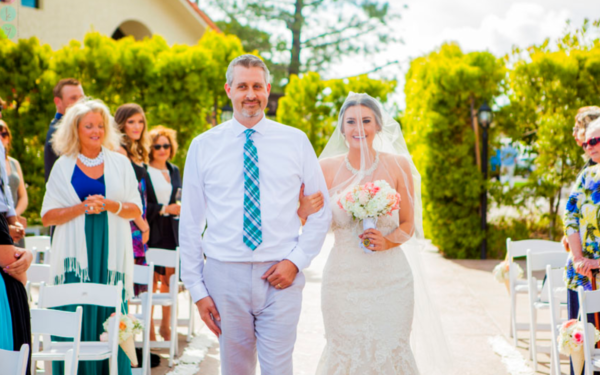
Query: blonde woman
x=90, y=197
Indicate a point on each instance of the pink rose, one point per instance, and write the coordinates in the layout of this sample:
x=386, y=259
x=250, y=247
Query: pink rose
x=569, y=323
x=339, y=202
x=371, y=188
x=350, y=197
x=578, y=337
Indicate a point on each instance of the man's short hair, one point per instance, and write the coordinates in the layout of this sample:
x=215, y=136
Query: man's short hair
x=247, y=61
x=57, y=91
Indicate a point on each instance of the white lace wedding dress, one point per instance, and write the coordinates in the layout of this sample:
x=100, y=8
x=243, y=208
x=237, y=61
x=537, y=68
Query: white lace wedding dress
x=367, y=304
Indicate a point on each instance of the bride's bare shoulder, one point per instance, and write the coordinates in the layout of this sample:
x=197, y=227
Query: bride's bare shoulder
x=331, y=163
x=395, y=159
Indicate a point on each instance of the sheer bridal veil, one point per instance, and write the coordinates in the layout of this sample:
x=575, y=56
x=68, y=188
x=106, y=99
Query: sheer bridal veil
x=383, y=155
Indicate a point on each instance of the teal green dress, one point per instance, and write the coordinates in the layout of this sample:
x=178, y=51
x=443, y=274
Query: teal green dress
x=96, y=233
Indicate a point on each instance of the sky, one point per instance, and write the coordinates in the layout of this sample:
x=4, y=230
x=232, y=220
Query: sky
x=492, y=25
x=476, y=25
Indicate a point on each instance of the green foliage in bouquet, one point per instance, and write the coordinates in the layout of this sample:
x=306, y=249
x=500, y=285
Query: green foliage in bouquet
x=180, y=87
x=438, y=131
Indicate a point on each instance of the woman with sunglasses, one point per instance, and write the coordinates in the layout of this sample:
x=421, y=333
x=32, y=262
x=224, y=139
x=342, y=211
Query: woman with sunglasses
x=581, y=225
x=164, y=206
x=15, y=179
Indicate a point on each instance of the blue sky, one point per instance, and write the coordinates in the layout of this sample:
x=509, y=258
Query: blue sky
x=491, y=25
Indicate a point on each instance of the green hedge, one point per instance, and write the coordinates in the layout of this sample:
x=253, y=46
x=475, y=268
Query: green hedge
x=178, y=87
x=438, y=131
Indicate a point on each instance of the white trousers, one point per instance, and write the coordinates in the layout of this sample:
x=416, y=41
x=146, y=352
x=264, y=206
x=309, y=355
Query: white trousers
x=255, y=317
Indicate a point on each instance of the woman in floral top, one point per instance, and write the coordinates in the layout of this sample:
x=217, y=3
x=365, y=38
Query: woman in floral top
x=582, y=224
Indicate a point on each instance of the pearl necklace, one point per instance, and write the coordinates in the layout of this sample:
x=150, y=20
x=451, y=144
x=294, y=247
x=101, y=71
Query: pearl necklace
x=366, y=172
x=92, y=162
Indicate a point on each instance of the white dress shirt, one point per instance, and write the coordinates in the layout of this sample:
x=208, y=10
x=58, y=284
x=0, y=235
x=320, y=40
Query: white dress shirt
x=213, y=194
x=7, y=205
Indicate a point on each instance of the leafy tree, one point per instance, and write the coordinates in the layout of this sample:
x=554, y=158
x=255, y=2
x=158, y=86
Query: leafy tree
x=317, y=32
x=438, y=131
x=180, y=87
x=546, y=88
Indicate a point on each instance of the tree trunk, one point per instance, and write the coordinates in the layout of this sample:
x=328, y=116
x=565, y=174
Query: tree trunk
x=296, y=29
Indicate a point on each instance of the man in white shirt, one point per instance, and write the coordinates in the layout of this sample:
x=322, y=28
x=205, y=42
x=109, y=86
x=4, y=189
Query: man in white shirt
x=242, y=180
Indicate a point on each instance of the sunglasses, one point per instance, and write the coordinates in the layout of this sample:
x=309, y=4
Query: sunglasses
x=4, y=134
x=592, y=142
x=166, y=146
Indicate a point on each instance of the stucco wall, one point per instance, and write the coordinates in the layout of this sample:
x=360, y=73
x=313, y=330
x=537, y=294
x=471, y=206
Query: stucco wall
x=59, y=21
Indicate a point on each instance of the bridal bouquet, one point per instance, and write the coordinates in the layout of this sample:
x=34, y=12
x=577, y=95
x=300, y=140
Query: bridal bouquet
x=369, y=201
x=570, y=342
x=501, y=272
x=129, y=326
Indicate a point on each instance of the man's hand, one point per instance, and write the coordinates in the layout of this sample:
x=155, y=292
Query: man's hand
x=21, y=265
x=17, y=232
x=208, y=314
x=282, y=274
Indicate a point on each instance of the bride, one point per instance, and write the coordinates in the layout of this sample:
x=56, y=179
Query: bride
x=377, y=316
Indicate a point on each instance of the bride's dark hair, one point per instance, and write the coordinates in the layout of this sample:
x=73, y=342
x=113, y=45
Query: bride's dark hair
x=365, y=101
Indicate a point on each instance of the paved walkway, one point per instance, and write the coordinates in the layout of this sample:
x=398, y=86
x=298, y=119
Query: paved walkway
x=472, y=305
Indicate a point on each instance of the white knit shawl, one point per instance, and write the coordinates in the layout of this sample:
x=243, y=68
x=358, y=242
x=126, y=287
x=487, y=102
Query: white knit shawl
x=69, y=249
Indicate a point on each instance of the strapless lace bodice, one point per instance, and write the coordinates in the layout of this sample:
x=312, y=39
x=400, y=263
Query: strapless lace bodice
x=367, y=304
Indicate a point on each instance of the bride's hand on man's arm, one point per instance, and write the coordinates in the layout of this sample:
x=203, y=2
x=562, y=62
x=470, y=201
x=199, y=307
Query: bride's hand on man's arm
x=309, y=204
x=378, y=241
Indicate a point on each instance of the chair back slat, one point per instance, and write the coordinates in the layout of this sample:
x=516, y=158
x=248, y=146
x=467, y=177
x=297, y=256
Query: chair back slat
x=80, y=294
x=591, y=302
x=56, y=322
x=38, y=273
x=141, y=274
x=539, y=261
x=163, y=257
x=14, y=362
x=519, y=248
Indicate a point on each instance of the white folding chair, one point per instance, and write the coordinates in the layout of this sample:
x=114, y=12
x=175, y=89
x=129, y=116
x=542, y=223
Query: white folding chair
x=167, y=258
x=144, y=275
x=37, y=245
x=88, y=294
x=36, y=274
x=47, y=323
x=540, y=300
x=589, y=302
x=557, y=297
x=14, y=362
x=515, y=249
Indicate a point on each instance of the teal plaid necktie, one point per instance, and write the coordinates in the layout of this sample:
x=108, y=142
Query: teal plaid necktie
x=252, y=222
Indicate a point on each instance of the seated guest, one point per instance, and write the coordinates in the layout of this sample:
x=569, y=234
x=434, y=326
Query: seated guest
x=581, y=224
x=163, y=205
x=91, y=196
x=15, y=178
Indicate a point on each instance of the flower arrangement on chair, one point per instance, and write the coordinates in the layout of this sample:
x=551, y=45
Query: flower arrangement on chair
x=129, y=326
x=501, y=273
x=570, y=342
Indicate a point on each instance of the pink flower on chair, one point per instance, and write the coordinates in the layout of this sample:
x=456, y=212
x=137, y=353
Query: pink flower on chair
x=578, y=337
